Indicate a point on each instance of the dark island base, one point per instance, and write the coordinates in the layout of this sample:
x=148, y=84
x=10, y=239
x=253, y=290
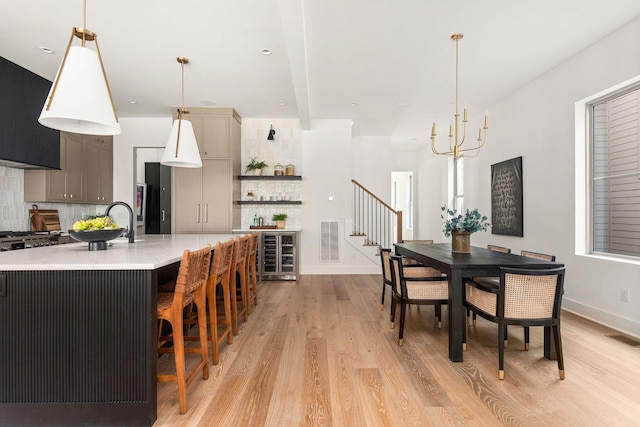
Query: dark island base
x=79, y=347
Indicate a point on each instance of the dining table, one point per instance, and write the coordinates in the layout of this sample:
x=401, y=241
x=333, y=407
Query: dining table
x=479, y=262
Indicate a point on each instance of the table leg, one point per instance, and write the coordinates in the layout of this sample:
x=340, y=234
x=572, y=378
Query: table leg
x=549, y=346
x=457, y=316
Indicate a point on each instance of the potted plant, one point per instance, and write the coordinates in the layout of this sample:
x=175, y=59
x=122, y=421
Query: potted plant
x=255, y=166
x=279, y=219
x=462, y=226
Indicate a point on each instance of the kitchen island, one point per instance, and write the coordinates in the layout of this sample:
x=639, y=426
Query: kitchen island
x=78, y=330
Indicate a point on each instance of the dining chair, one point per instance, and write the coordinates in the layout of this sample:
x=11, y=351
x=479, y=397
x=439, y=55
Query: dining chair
x=415, y=285
x=189, y=286
x=487, y=281
x=525, y=297
x=386, y=271
x=536, y=255
x=411, y=261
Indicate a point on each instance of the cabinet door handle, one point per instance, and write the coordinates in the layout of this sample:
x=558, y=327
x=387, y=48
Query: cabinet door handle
x=206, y=213
x=198, y=213
x=163, y=215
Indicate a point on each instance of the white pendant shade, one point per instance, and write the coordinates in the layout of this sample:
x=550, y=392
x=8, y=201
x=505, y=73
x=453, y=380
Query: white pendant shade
x=188, y=154
x=81, y=103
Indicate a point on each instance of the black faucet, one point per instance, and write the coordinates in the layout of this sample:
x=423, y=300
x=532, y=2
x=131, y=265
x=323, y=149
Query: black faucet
x=130, y=234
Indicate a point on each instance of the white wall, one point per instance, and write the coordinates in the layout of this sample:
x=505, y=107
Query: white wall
x=136, y=132
x=537, y=123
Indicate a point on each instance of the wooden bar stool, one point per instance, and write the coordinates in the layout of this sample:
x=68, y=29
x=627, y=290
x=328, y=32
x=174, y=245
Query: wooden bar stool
x=239, y=281
x=252, y=271
x=219, y=275
x=189, y=287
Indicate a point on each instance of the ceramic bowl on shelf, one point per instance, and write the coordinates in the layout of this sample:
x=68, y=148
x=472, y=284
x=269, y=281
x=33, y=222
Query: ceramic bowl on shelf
x=97, y=239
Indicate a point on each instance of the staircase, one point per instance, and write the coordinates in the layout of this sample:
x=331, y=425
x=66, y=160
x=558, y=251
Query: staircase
x=373, y=222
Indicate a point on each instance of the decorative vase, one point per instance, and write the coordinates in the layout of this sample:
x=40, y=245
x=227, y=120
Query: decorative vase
x=280, y=224
x=461, y=242
x=257, y=172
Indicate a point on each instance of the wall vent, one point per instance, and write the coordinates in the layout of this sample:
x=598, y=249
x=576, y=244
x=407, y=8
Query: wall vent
x=329, y=231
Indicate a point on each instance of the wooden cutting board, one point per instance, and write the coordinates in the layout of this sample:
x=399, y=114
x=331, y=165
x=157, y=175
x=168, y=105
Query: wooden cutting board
x=51, y=220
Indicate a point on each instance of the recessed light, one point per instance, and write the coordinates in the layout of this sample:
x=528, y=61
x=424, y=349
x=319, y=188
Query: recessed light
x=282, y=103
x=209, y=103
x=132, y=101
x=266, y=51
x=47, y=50
x=353, y=104
x=402, y=104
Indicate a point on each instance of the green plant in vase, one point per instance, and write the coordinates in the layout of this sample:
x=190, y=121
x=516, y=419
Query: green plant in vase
x=279, y=219
x=255, y=166
x=461, y=226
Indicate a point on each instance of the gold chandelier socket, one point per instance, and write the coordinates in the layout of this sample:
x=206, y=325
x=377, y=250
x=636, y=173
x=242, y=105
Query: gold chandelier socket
x=457, y=36
x=84, y=34
x=182, y=60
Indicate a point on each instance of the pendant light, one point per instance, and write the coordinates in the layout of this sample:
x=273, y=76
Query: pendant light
x=182, y=149
x=80, y=100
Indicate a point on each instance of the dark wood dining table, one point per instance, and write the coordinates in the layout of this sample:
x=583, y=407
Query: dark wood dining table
x=461, y=266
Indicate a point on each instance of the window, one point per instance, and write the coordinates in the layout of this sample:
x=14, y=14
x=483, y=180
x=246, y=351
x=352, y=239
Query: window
x=615, y=173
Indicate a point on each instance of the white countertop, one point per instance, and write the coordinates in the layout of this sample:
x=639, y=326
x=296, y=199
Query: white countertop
x=147, y=253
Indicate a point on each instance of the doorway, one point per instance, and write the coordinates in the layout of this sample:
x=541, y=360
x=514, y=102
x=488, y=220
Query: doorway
x=402, y=197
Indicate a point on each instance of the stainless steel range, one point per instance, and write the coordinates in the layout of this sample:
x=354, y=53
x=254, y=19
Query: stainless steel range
x=12, y=240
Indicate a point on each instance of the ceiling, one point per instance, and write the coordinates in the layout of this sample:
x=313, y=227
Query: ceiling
x=388, y=65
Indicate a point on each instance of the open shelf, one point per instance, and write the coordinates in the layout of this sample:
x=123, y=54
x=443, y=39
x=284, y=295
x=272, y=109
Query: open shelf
x=269, y=202
x=269, y=177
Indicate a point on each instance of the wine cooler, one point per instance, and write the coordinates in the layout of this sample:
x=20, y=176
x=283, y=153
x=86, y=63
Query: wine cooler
x=279, y=255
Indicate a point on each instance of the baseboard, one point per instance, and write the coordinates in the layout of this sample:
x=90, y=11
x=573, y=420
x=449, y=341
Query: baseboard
x=337, y=268
x=627, y=326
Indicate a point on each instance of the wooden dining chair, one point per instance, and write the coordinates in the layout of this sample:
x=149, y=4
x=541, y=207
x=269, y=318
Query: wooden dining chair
x=525, y=297
x=190, y=286
x=414, y=285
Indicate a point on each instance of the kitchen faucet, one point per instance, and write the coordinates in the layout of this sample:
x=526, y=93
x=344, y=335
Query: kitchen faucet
x=130, y=234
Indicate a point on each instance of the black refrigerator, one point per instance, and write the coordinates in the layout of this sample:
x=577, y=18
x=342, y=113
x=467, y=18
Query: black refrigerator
x=158, y=206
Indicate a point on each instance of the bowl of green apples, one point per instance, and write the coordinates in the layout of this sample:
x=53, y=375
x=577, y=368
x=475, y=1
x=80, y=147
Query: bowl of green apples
x=96, y=231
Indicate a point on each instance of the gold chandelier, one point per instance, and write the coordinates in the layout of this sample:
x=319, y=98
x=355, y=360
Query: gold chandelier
x=455, y=142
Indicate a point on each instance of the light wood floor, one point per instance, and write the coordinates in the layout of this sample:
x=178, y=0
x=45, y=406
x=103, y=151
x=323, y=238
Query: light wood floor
x=319, y=352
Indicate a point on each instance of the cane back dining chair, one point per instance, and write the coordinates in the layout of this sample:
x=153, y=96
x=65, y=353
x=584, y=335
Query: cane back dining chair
x=487, y=281
x=190, y=286
x=525, y=297
x=415, y=285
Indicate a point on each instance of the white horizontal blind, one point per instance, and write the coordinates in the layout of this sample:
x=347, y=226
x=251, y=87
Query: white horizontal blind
x=616, y=175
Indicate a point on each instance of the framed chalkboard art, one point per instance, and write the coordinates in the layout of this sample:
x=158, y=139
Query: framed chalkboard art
x=506, y=198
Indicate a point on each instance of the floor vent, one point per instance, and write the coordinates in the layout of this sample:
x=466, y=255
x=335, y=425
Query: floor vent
x=626, y=340
x=329, y=241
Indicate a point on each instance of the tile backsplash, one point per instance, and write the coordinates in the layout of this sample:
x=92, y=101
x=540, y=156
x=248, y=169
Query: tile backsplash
x=14, y=211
